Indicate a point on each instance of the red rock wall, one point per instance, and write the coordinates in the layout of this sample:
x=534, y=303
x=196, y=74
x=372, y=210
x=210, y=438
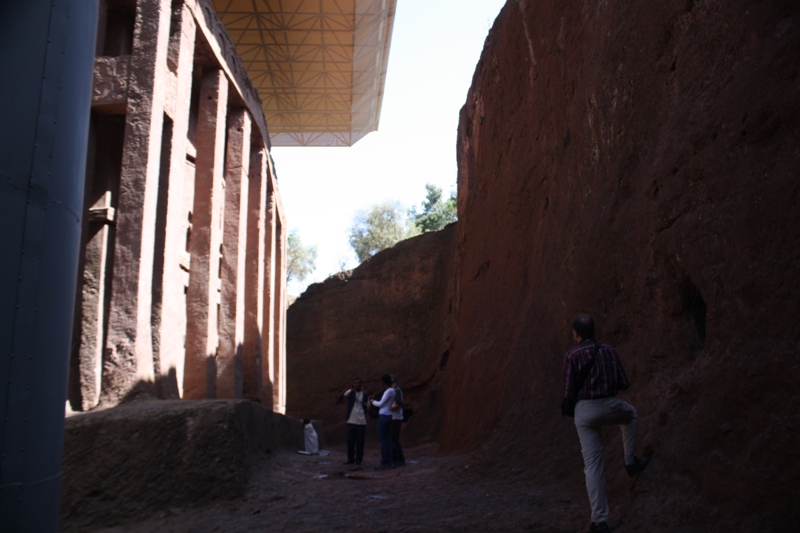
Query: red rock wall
x=390, y=315
x=638, y=161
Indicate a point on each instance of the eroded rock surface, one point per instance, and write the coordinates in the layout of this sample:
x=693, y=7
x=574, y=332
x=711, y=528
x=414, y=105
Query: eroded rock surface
x=389, y=315
x=637, y=161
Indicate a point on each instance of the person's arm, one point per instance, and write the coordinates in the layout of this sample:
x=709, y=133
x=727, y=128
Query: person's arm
x=344, y=395
x=388, y=396
x=379, y=403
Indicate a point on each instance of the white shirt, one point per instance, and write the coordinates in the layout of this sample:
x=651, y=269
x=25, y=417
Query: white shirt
x=385, y=402
x=357, y=415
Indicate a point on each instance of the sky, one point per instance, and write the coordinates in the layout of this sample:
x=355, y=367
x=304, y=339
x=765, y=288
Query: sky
x=435, y=47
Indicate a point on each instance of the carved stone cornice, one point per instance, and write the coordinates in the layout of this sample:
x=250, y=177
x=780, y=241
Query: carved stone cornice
x=217, y=36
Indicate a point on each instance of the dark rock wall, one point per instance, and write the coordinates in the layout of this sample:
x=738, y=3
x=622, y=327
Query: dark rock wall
x=388, y=316
x=638, y=161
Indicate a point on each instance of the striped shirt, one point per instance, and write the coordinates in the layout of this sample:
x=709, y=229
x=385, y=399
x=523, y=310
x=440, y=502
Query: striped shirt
x=606, y=376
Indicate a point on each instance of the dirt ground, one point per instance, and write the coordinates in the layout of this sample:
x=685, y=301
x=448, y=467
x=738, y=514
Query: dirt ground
x=232, y=466
x=299, y=493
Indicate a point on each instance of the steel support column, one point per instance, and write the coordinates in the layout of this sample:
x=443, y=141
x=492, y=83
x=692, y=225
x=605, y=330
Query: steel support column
x=46, y=55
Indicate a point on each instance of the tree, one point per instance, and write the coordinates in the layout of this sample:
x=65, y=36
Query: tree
x=302, y=260
x=378, y=227
x=435, y=214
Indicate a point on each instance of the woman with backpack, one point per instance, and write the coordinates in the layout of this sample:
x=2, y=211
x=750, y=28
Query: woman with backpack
x=397, y=421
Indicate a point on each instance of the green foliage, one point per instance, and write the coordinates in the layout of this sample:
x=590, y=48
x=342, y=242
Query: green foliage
x=435, y=214
x=383, y=225
x=302, y=260
x=378, y=227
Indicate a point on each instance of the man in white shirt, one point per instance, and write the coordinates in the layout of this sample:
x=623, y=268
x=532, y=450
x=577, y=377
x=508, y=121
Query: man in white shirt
x=356, y=418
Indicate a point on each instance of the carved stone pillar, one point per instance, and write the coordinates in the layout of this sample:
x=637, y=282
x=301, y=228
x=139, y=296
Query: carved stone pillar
x=279, y=332
x=86, y=364
x=234, y=245
x=269, y=290
x=202, y=298
x=169, y=301
x=274, y=324
x=254, y=341
x=128, y=360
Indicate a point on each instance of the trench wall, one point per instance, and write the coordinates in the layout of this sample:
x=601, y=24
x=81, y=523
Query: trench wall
x=636, y=161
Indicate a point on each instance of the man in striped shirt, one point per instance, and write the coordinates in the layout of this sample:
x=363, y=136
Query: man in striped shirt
x=593, y=374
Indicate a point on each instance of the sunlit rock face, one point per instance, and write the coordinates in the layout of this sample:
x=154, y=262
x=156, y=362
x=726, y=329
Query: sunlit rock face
x=388, y=316
x=638, y=161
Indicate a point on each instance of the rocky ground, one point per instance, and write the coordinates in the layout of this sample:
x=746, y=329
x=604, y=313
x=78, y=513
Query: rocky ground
x=299, y=493
x=232, y=466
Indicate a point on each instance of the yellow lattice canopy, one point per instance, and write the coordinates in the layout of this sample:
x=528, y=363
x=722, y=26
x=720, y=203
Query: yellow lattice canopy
x=319, y=65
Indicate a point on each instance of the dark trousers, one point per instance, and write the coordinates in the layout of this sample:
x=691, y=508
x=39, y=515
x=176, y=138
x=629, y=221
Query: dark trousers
x=355, y=442
x=384, y=435
x=397, y=450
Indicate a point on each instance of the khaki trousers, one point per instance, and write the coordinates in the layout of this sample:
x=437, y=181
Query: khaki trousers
x=590, y=417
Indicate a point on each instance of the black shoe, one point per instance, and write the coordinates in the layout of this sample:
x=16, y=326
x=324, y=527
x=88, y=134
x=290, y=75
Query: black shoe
x=602, y=527
x=382, y=467
x=349, y=462
x=358, y=462
x=639, y=464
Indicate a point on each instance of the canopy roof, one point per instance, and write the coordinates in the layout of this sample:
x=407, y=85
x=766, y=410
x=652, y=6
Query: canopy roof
x=319, y=66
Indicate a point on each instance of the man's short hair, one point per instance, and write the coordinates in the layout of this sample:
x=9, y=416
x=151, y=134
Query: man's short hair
x=387, y=379
x=583, y=325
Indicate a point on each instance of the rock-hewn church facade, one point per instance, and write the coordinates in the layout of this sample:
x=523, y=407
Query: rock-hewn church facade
x=181, y=287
